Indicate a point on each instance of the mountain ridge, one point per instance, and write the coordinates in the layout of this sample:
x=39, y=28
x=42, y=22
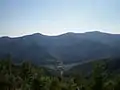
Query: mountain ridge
x=69, y=47
x=58, y=34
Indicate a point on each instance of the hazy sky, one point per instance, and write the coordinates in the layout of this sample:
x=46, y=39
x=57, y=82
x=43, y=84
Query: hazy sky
x=52, y=17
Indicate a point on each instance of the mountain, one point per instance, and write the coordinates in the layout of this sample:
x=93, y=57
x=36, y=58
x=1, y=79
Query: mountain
x=68, y=47
x=24, y=48
x=111, y=66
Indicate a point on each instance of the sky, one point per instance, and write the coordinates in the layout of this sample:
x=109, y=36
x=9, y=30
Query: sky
x=53, y=17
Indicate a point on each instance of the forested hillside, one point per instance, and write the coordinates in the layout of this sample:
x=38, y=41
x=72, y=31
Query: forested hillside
x=27, y=76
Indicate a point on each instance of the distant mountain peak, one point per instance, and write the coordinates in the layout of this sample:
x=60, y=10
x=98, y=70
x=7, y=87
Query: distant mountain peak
x=5, y=37
x=94, y=32
x=37, y=34
x=97, y=33
x=90, y=32
x=69, y=34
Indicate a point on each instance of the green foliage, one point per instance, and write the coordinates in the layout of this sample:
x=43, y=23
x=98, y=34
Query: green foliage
x=30, y=77
x=98, y=77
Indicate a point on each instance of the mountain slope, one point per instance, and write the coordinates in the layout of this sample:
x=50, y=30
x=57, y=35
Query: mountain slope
x=69, y=47
x=111, y=65
x=24, y=48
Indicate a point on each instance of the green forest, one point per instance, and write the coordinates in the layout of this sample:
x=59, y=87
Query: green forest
x=26, y=76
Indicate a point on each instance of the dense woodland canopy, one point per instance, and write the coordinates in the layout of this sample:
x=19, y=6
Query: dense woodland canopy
x=26, y=76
